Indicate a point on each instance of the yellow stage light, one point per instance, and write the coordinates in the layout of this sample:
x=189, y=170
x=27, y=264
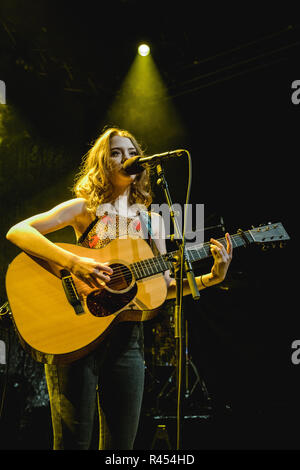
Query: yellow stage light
x=143, y=107
x=144, y=50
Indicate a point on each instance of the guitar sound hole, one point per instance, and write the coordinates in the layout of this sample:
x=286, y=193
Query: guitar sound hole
x=103, y=302
x=121, y=277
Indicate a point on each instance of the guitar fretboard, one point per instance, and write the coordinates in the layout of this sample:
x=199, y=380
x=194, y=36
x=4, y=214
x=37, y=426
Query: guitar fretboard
x=158, y=264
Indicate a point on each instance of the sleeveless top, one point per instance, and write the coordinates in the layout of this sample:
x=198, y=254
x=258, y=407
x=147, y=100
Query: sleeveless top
x=107, y=227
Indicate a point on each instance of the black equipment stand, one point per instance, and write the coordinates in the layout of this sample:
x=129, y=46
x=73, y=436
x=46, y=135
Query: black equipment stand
x=190, y=385
x=181, y=264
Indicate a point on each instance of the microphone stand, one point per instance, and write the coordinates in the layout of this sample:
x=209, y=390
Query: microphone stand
x=179, y=262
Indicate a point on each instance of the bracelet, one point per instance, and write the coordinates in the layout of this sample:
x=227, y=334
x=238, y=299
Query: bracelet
x=202, y=282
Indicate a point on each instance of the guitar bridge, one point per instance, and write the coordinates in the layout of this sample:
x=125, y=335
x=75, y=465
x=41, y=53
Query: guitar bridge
x=71, y=291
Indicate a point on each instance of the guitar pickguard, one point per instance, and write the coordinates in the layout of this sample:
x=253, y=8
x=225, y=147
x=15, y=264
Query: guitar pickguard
x=103, y=303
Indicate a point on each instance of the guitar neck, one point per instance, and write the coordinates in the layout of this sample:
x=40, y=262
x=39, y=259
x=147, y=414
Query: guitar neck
x=202, y=251
x=158, y=264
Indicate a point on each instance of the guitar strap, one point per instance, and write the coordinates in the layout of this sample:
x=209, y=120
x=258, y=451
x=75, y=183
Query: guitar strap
x=82, y=238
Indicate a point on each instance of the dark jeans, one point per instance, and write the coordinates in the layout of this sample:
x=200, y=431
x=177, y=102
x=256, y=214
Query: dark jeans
x=116, y=371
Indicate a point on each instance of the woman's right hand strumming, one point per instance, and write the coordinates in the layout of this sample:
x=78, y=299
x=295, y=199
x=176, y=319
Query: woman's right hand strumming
x=29, y=235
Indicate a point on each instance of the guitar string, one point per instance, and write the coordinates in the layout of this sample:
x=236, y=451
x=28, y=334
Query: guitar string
x=124, y=272
x=154, y=262
x=150, y=263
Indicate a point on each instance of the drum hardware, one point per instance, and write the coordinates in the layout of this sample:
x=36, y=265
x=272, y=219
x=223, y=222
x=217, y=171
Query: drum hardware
x=166, y=396
x=189, y=363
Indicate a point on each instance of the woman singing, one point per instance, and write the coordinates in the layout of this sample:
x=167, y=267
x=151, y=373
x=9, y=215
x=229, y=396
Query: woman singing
x=115, y=369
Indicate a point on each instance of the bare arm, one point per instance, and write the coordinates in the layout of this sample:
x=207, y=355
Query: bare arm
x=29, y=236
x=222, y=258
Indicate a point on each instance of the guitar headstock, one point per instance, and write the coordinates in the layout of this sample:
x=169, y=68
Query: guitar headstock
x=270, y=233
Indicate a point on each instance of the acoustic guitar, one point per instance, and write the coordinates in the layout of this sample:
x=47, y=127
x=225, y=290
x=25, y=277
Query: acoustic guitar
x=59, y=318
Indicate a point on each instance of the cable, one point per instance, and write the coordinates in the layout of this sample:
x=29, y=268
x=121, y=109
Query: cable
x=180, y=340
x=244, y=45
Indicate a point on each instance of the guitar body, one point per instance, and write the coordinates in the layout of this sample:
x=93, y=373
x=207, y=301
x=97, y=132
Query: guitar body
x=47, y=323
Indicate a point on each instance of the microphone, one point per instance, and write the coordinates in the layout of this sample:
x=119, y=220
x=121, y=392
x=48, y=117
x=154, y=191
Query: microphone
x=136, y=164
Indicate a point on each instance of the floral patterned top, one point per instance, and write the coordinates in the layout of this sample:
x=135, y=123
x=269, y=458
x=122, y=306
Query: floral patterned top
x=107, y=227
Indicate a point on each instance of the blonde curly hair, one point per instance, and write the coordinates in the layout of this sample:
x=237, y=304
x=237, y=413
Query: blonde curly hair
x=93, y=180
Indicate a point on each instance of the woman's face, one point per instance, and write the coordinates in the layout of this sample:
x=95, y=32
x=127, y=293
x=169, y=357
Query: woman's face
x=121, y=148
